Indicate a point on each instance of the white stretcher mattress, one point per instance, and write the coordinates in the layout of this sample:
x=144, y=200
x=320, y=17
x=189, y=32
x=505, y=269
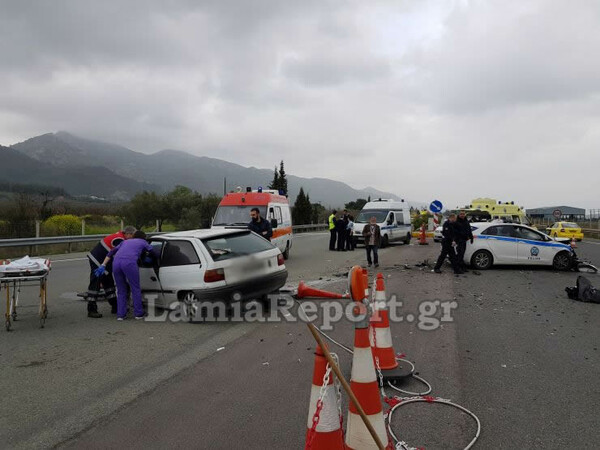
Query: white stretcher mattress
x=25, y=265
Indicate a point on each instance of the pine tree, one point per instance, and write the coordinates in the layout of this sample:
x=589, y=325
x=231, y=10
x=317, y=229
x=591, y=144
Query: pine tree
x=275, y=183
x=302, y=212
x=283, y=182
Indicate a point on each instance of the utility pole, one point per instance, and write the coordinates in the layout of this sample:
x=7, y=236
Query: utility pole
x=224, y=186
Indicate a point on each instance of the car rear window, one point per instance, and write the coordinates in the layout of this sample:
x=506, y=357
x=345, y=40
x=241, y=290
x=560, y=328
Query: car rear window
x=570, y=225
x=236, y=245
x=179, y=253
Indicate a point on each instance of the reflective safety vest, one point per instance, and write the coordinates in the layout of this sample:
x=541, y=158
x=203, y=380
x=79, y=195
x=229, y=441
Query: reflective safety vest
x=331, y=222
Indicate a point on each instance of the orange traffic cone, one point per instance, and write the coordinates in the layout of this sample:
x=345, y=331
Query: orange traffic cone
x=365, y=273
x=358, y=284
x=324, y=427
x=307, y=291
x=363, y=382
x=381, y=337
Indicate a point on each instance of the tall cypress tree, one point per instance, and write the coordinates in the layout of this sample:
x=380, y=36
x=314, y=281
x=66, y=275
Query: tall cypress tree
x=283, y=182
x=302, y=211
x=275, y=183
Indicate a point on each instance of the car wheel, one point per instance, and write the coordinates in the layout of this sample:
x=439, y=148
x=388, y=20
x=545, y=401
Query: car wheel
x=190, y=305
x=407, y=240
x=384, y=241
x=482, y=260
x=562, y=261
x=286, y=253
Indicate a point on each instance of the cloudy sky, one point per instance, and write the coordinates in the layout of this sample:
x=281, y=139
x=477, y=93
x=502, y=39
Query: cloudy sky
x=427, y=99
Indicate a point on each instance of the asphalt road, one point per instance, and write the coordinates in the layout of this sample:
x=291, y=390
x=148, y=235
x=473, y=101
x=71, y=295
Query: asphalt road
x=519, y=354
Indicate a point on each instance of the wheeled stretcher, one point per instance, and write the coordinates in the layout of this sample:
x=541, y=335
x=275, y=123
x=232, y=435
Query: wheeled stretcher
x=19, y=273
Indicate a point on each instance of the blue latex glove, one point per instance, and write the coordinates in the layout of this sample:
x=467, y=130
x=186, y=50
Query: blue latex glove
x=148, y=261
x=100, y=271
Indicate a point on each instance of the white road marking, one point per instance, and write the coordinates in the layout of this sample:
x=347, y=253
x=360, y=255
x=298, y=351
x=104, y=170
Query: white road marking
x=67, y=260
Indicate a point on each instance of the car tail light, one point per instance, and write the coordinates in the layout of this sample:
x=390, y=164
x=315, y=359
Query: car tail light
x=213, y=275
x=280, y=260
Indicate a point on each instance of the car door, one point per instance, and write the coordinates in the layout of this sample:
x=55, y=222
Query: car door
x=501, y=241
x=532, y=248
x=148, y=275
x=180, y=269
x=277, y=239
x=391, y=226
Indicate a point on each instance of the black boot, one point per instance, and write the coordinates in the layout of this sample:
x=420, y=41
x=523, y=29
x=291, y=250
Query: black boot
x=93, y=310
x=113, y=305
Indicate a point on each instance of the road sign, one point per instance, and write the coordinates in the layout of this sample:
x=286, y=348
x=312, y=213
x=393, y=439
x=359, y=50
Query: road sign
x=557, y=213
x=436, y=206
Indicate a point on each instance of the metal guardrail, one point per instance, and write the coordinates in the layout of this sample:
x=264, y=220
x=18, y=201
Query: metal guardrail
x=49, y=240
x=311, y=227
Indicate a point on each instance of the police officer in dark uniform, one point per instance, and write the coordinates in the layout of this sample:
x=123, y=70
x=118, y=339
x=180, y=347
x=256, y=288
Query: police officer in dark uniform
x=259, y=225
x=464, y=234
x=449, y=238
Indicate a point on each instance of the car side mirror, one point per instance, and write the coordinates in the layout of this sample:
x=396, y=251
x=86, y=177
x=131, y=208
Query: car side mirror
x=273, y=223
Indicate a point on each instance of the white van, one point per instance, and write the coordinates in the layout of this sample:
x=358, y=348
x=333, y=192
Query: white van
x=393, y=217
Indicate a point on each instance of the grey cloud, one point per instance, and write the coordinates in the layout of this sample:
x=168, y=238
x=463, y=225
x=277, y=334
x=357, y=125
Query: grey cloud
x=324, y=70
x=503, y=95
x=499, y=54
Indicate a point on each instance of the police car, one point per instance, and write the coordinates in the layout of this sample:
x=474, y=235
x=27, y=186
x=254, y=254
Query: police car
x=509, y=243
x=437, y=234
x=211, y=265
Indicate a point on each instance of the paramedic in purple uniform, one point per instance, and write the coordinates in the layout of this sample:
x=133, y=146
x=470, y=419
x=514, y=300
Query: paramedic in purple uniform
x=125, y=258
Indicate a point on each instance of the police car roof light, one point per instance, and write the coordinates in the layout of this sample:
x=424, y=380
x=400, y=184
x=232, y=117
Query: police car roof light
x=248, y=189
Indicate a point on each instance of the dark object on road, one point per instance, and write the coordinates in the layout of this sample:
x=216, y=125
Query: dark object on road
x=584, y=291
x=476, y=272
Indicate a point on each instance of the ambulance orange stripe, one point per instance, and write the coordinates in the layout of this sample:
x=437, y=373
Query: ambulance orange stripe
x=278, y=232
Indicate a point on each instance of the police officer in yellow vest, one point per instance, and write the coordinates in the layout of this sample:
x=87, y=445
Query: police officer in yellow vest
x=332, y=232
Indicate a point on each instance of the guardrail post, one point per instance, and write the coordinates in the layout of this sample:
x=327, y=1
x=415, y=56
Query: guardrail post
x=122, y=225
x=37, y=228
x=83, y=227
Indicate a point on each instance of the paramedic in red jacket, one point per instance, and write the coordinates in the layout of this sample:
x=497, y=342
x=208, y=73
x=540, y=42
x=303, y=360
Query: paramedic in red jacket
x=96, y=257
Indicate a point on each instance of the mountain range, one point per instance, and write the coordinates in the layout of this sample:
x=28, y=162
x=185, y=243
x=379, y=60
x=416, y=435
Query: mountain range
x=85, y=167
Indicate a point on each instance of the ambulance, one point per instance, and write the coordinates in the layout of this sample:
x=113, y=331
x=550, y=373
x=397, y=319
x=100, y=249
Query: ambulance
x=488, y=209
x=393, y=218
x=234, y=211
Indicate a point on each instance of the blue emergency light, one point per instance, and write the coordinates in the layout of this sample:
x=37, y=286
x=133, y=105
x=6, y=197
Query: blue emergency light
x=260, y=189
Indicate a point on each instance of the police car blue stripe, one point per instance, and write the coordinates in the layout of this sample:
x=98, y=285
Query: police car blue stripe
x=528, y=241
